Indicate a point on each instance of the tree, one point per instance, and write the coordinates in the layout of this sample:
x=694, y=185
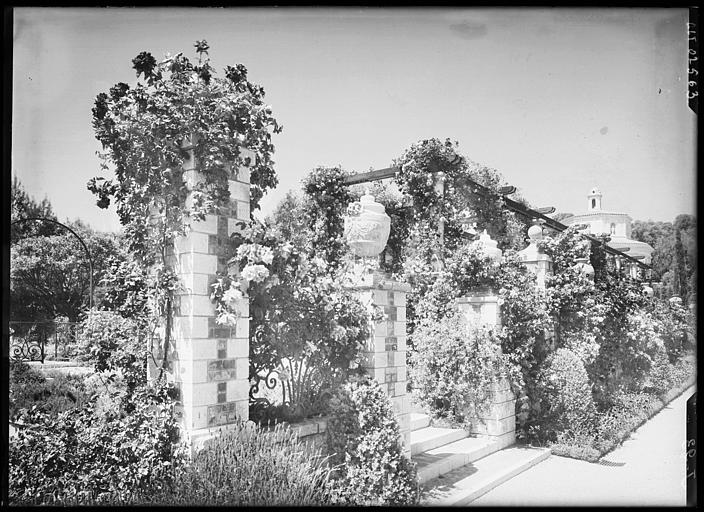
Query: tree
x=145, y=131
x=24, y=206
x=685, y=254
x=49, y=275
x=674, y=253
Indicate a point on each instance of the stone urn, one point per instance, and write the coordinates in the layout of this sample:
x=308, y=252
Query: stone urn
x=488, y=247
x=367, y=227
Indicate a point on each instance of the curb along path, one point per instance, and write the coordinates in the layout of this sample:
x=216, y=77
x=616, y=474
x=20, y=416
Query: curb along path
x=648, y=469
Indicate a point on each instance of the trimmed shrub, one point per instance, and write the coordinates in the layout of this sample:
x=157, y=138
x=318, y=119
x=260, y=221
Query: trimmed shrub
x=568, y=394
x=452, y=367
x=364, y=441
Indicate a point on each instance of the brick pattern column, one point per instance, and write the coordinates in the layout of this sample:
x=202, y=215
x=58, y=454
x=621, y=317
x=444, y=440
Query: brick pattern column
x=210, y=362
x=498, y=420
x=385, y=357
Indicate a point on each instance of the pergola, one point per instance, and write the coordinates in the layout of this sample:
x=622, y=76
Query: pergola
x=539, y=214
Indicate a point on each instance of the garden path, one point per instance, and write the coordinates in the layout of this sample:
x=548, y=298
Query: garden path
x=649, y=470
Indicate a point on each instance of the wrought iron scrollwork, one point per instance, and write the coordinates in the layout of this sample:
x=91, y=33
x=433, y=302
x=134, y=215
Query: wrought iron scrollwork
x=28, y=346
x=32, y=341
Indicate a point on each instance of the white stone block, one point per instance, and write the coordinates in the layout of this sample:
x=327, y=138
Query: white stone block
x=399, y=328
x=193, y=262
x=192, y=242
x=238, y=389
x=196, y=348
x=243, y=210
x=199, y=394
x=378, y=374
x=190, y=327
x=377, y=344
x=197, y=305
x=401, y=373
x=400, y=299
x=192, y=372
x=401, y=342
x=238, y=347
x=243, y=409
x=400, y=388
x=239, y=191
x=243, y=367
x=196, y=284
x=208, y=226
x=243, y=174
x=195, y=417
x=381, y=297
x=401, y=313
x=375, y=359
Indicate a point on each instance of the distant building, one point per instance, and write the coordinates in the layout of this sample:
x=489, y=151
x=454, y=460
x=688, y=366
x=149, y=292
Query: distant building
x=616, y=224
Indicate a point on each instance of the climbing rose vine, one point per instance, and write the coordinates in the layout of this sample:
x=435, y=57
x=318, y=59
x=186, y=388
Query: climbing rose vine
x=178, y=110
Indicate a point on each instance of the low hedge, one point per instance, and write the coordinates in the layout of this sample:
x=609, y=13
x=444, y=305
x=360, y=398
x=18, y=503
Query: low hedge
x=626, y=420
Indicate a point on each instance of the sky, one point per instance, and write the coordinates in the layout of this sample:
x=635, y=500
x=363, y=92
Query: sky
x=557, y=100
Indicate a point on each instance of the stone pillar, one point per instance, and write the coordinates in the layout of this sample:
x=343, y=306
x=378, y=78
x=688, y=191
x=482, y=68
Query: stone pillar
x=498, y=421
x=534, y=259
x=210, y=362
x=481, y=308
x=385, y=355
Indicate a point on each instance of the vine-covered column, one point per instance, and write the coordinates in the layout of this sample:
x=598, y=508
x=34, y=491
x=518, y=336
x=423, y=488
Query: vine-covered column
x=385, y=355
x=367, y=231
x=210, y=361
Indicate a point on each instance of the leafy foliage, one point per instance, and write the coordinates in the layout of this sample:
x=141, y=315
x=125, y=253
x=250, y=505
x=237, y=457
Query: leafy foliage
x=116, y=345
x=30, y=388
x=568, y=394
x=452, y=367
x=328, y=200
x=303, y=323
x=364, y=440
x=178, y=112
x=49, y=275
x=674, y=262
x=77, y=458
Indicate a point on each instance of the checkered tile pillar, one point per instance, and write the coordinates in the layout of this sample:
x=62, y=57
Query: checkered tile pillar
x=385, y=357
x=210, y=361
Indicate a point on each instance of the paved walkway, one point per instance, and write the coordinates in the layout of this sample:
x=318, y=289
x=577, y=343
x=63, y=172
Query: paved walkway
x=650, y=471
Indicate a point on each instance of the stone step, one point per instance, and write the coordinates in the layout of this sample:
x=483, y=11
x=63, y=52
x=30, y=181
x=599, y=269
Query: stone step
x=419, y=420
x=441, y=460
x=465, y=484
x=427, y=438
